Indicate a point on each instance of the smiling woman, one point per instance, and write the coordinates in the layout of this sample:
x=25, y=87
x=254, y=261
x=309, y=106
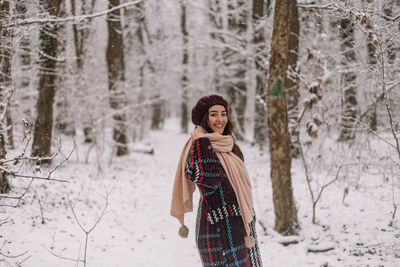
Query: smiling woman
x=210, y=160
x=217, y=118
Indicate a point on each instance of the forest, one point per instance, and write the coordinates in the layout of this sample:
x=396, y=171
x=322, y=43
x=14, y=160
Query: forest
x=95, y=107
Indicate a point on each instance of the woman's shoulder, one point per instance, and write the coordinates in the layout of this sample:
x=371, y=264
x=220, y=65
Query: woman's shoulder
x=202, y=141
x=202, y=144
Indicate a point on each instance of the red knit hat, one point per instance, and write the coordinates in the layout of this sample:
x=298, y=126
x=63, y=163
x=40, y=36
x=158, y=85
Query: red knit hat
x=204, y=104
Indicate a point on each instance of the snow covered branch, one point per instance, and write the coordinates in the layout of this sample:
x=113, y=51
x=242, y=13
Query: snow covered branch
x=20, y=160
x=345, y=9
x=72, y=19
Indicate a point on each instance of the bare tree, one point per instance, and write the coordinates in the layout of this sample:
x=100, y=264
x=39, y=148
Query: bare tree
x=259, y=40
x=229, y=38
x=47, y=77
x=64, y=119
x=349, y=98
x=81, y=33
x=279, y=138
x=185, y=65
x=235, y=63
x=5, y=84
x=292, y=79
x=25, y=59
x=116, y=77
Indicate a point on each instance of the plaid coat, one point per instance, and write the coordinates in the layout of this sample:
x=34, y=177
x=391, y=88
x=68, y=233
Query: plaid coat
x=220, y=230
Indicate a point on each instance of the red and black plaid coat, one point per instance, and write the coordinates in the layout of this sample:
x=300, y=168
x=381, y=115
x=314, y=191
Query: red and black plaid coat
x=220, y=230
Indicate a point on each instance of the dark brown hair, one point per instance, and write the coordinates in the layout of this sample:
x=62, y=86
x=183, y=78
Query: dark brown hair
x=227, y=131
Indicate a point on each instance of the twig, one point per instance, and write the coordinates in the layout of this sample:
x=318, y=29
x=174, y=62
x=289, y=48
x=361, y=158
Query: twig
x=263, y=227
x=11, y=256
x=316, y=250
x=87, y=232
x=4, y=221
x=19, y=197
x=64, y=258
x=347, y=10
x=314, y=199
x=73, y=19
x=24, y=260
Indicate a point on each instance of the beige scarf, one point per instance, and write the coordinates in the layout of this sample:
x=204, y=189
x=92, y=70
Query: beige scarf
x=234, y=167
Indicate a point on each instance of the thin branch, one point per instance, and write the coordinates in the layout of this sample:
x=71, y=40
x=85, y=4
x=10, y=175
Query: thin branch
x=349, y=10
x=87, y=232
x=64, y=258
x=35, y=177
x=19, y=197
x=73, y=19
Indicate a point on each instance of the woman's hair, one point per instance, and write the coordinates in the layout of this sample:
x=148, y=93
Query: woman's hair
x=227, y=131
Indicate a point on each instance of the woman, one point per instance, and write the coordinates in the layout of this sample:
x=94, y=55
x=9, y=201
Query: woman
x=225, y=229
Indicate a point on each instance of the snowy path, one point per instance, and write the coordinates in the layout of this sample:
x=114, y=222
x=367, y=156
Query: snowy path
x=137, y=229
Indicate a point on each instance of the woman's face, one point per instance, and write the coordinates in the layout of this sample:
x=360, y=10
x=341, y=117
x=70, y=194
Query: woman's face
x=217, y=118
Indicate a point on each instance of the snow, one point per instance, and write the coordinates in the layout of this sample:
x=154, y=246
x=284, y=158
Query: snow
x=137, y=230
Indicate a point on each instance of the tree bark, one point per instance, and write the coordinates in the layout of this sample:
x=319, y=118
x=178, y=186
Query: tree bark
x=10, y=127
x=349, y=98
x=25, y=59
x=48, y=53
x=279, y=138
x=185, y=66
x=116, y=77
x=260, y=120
x=5, y=84
x=372, y=111
x=292, y=79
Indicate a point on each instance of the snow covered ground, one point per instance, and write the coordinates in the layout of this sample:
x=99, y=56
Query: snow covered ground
x=137, y=230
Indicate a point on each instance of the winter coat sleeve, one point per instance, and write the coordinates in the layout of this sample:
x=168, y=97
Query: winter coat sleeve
x=203, y=166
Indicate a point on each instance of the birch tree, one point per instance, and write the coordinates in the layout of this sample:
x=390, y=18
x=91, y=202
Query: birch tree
x=279, y=138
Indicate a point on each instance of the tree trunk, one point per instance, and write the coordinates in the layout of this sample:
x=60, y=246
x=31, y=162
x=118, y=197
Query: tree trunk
x=260, y=120
x=214, y=15
x=64, y=120
x=292, y=80
x=279, y=138
x=47, y=76
x=235, y=64
x=185, y=66
x=25, y=60
x=80, y=34
x=116, y=77
x=349, y=104
x=157, y=118
x=5, y=84
x=372, y=111
x=136, y=48
x=10, y=135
